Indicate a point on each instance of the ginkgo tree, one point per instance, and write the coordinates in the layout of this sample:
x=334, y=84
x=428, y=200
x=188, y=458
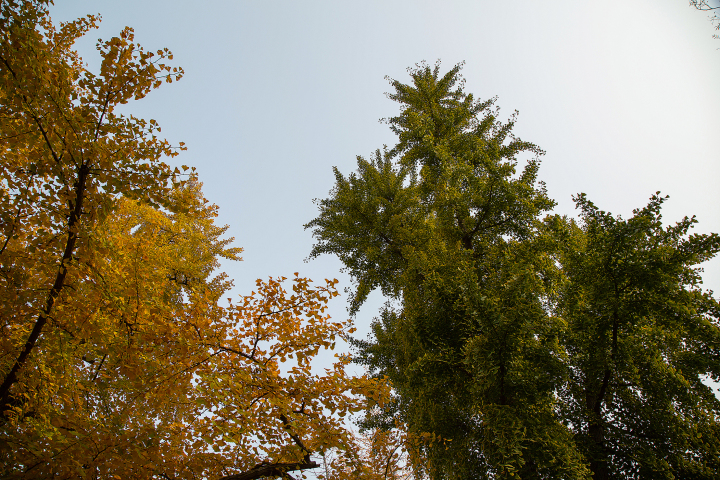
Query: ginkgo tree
x=542, y=348
x=117, y=356
x=66, y=155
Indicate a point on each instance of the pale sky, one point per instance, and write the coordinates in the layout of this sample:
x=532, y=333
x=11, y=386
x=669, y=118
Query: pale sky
x=624, y=96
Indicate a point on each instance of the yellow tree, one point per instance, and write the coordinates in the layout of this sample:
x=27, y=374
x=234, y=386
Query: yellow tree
x=66, y=155
x=116, y=359
x=143, y=375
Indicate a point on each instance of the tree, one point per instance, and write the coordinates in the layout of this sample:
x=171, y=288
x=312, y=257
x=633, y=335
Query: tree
x=382, y=454
x=640, y=338
x=480, y=342
x=704, y=6
x=144, y=375
x=116, y=358
x=65, y=155
x=444, y=223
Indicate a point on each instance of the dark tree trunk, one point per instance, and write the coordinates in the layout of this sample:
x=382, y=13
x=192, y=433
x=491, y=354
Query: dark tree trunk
x=72, y=235
x=272, y=470
x=599, y=461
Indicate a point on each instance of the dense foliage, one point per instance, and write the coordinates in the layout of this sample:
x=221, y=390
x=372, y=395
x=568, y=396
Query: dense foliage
x=536, y=348
x=116, y=358
x=519, y=345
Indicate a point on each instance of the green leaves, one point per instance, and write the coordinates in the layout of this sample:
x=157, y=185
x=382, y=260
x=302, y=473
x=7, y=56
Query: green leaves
x=373, y=215
x=443, y=223
x=542, y=349
x=640, y=336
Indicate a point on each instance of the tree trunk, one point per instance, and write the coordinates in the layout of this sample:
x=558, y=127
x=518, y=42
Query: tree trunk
x=72, y=232
x=599, y=460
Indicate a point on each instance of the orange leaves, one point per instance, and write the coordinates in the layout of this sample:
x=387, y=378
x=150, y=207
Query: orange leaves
x=153, y=375
x=116, y=359
x=268, y=321
x=265, y=330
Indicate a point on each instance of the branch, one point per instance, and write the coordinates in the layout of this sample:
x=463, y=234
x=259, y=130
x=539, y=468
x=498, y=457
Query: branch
x=99, y=367
x=263, y=470
x=389, y=459
x=294, y=436
x=72, y=231
x=236, y=352
x=702, y=5
x=272, y=470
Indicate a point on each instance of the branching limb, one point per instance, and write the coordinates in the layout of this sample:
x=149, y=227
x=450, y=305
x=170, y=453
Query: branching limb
x=264, y=470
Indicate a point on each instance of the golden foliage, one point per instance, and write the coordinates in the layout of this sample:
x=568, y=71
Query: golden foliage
x=116, y=358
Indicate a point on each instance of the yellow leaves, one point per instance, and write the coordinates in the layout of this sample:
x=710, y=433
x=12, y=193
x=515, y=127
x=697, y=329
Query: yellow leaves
x=270, y=331
x=137, y=358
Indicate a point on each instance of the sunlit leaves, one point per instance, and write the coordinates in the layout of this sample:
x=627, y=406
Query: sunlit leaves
x=446, y=223
x=117, y=358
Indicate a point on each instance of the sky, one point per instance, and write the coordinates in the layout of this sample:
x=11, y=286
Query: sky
x=624, y=97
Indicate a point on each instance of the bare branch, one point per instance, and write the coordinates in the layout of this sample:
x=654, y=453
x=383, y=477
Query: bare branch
x=264, y=470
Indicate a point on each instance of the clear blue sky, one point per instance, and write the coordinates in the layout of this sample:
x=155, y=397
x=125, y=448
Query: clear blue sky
x=624, y=96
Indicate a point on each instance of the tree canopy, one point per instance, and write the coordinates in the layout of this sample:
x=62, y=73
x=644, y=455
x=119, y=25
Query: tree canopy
x=117, y=359
x=534, y=347
x=515, y=343
x=640, y=337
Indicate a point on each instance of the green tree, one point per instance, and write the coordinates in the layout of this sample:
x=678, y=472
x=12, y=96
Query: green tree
x=640, y=337
x=445, y=223
x=482, y=341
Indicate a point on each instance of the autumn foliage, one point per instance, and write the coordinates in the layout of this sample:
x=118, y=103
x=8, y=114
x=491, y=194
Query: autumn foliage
x=519, y=344
x=119, y=354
